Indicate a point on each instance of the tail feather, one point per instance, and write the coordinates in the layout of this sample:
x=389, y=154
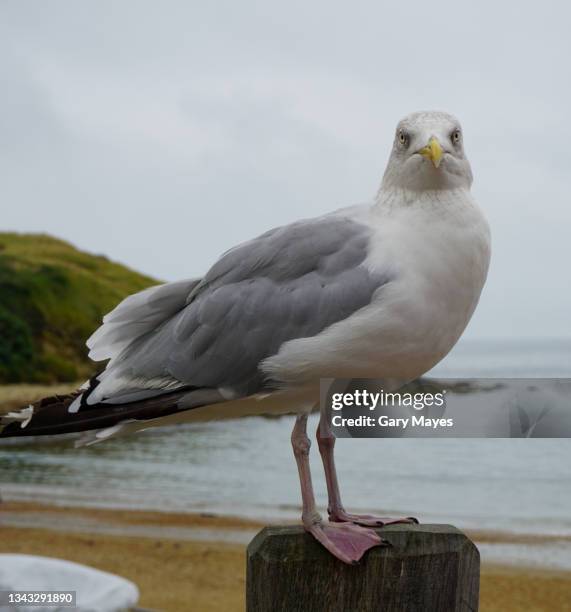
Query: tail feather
x=51, y=415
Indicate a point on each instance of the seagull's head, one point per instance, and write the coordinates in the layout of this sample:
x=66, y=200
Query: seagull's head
x=428, y=153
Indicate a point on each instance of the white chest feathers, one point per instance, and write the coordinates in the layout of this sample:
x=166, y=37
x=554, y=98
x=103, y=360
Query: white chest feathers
x=438, y=249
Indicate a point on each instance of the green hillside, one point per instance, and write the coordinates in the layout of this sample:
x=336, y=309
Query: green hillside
x=52, y=297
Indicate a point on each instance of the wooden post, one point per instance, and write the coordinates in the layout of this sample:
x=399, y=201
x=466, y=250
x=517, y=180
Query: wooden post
x=427, y=568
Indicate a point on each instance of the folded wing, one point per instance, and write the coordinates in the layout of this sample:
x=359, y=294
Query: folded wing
x=292, y=282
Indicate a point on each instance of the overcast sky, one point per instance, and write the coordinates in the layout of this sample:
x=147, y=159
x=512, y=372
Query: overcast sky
x=163, y=133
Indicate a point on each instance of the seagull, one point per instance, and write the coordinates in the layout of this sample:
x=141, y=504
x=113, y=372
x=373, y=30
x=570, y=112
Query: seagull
x=382, y=290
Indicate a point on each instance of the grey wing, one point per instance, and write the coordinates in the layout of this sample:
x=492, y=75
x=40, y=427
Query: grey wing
x=292, y=282
x=136, y=316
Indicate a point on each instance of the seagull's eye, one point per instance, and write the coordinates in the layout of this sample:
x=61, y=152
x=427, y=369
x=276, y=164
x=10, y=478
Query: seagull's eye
x=455, y=136
x=403, y=137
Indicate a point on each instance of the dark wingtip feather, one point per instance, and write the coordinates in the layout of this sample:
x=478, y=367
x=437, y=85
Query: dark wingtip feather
x=51, y=415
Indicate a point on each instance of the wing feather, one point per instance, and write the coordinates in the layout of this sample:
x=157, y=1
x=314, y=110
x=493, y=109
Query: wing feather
x=292, y=282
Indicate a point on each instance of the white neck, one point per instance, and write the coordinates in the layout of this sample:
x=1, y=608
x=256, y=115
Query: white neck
x=394, y=198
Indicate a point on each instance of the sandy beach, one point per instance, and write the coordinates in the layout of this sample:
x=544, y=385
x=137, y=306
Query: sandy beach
x=176, y=559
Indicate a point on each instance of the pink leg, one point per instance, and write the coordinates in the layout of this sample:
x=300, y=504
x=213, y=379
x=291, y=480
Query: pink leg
x=347, y=542
x=326, y=442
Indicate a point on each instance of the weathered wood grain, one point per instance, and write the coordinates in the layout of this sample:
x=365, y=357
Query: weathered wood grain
x=427, y=568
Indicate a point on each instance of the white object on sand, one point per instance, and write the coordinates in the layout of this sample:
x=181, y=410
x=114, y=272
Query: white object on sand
x=96, y=591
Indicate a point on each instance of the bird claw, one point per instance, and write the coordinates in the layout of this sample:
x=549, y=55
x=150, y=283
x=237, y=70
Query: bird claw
x=346, y=541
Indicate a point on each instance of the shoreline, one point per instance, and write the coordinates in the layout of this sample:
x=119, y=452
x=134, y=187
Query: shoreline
x=207, y=519
x=176, y=556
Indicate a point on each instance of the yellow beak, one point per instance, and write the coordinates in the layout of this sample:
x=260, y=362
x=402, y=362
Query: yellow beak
x=433, y=151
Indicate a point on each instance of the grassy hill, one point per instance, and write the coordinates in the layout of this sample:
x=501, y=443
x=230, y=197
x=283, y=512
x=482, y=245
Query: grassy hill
x=52, y=297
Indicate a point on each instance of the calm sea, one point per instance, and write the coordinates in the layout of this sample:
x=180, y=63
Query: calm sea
x=245, y=467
